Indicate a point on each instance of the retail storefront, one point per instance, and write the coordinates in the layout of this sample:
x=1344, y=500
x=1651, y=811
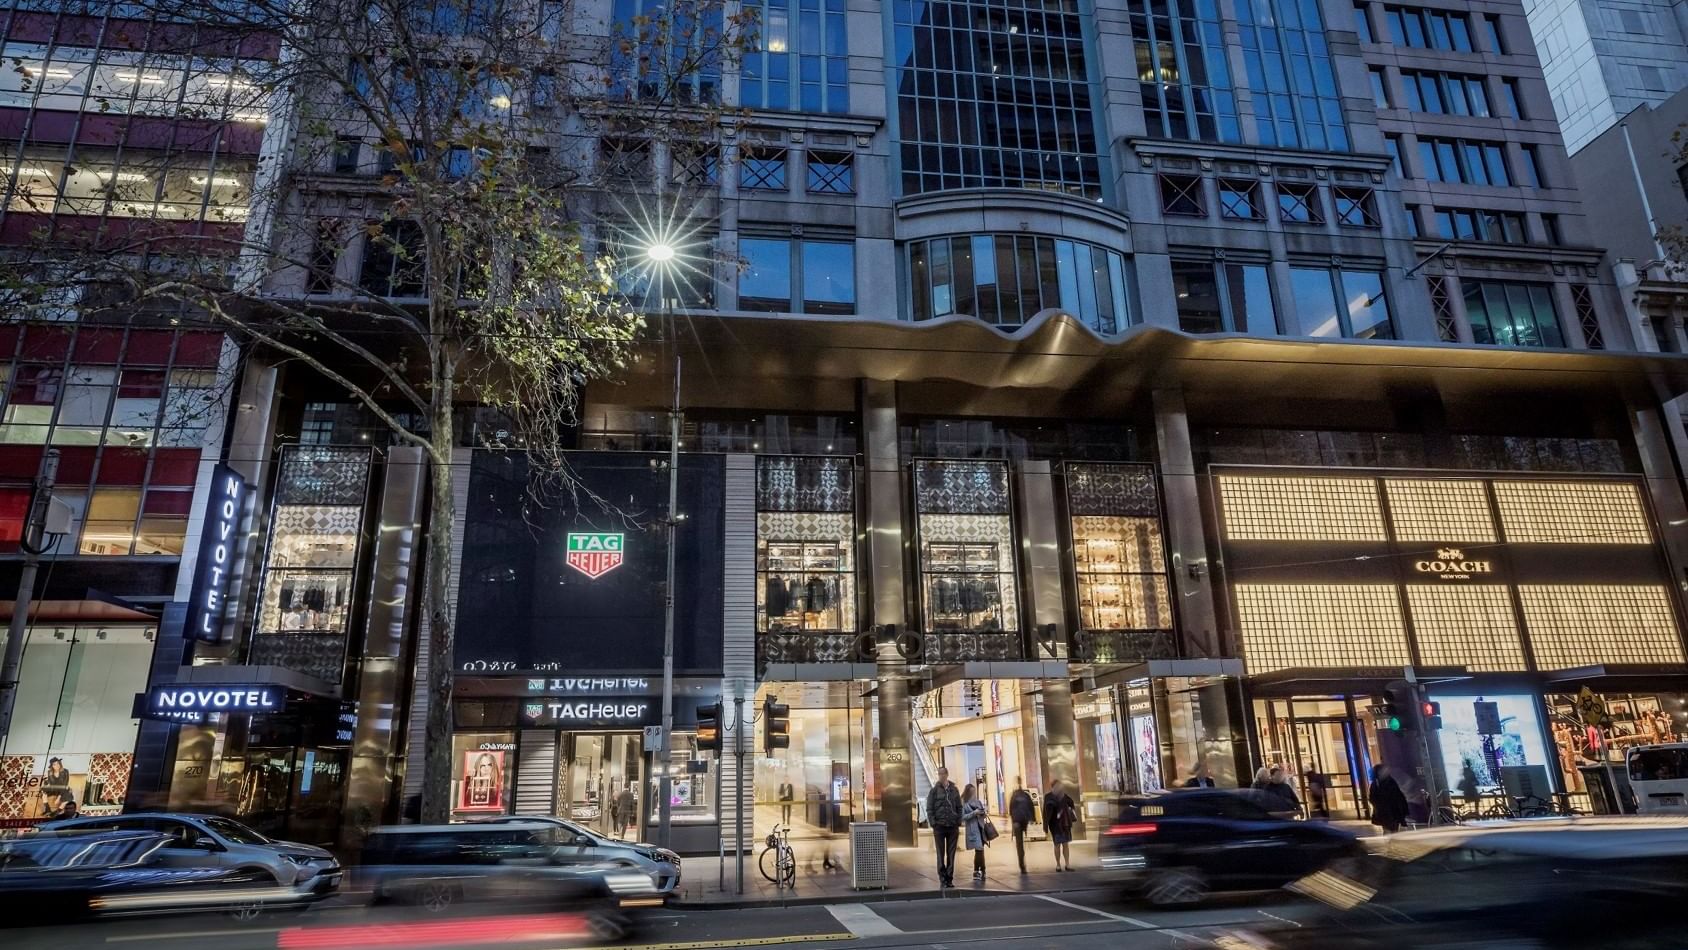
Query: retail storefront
x=560, y=645
x=1490, y=587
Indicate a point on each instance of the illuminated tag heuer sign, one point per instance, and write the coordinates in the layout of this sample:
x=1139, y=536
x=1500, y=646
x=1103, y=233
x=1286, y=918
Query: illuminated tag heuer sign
x=595, y=553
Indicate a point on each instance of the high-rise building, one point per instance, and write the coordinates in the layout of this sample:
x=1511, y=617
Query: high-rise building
x=1079, y=390
x=1603, y=60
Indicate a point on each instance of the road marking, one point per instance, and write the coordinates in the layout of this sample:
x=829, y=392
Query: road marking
x=1100, y=913
x=862, y=921
x=745, y=942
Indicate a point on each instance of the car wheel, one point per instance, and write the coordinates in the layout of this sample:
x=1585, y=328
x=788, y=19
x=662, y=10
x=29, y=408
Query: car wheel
x=435, y=896
x=247, y=911
x=1177, y=886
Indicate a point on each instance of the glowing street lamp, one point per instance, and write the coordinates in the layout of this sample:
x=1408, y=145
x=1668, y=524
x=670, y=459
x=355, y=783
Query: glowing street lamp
x=660, y=253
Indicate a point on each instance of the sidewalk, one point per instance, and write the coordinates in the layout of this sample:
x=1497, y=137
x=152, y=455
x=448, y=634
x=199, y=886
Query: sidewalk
x=913, y=874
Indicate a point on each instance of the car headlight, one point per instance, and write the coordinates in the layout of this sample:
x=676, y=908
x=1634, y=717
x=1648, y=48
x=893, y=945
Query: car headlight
x=293, y=859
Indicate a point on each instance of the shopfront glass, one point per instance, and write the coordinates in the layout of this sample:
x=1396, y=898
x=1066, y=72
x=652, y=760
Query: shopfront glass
x=966, y=557
x=1326, y=743
x=482, y=766
x=73, y=741
x=987, y=733
x=1638, y=718
x=691, y=798
x=1201, y=727
x=1494, y=744
x=818, y=784
x=599, y=780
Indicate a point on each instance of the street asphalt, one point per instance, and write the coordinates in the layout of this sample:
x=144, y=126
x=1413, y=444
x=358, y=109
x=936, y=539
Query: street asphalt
x=1070, y=920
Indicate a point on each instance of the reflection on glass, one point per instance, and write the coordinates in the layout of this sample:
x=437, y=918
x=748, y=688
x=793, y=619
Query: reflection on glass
x=1368, y=308
x=1315, y=302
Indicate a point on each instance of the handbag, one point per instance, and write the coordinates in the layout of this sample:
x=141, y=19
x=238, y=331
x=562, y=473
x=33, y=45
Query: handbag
x=987, y=829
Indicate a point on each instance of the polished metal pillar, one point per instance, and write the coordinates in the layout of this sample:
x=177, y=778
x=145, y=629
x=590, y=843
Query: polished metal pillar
x=1040, y=557
x=1186, y=541
x=884, y=529
x=1059, y=754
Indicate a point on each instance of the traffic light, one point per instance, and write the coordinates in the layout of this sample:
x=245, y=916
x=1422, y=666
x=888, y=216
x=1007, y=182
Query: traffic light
x=1431, y=715
x=1391, y=718
x=709, y=726
x=776, y=726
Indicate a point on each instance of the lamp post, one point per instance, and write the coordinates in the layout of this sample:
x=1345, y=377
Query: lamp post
x=661, y=255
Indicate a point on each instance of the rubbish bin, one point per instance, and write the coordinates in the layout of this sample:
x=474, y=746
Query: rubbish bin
x=869, y=857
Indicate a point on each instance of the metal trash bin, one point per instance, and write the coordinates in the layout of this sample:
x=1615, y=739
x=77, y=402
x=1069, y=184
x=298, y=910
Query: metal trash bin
x=870, y=864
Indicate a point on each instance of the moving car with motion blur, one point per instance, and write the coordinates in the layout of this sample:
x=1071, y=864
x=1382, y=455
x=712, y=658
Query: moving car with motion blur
x=1538, y=883
x=578, y=845
x=518, y=866
x=1178, y=847
x=212, y=841
x=58, y=877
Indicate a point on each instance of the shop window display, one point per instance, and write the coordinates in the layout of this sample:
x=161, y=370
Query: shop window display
x=692, y=793
x=71, y=748
x=1121, y=567
x=1637, y=719
x=805, y=558
x=966, y=553
x=806, y=585
x=481, y=770
x=1472, y=756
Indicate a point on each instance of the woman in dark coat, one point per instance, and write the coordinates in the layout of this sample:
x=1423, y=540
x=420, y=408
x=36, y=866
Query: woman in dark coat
x=1388, y=802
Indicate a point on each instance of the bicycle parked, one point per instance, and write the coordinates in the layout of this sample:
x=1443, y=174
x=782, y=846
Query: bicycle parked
x=783, y=872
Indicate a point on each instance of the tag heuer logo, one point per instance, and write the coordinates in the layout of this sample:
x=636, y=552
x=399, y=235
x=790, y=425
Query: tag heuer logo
x=595, y=553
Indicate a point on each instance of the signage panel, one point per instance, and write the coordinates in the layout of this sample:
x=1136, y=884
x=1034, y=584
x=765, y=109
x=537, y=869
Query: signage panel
x=218, y=545
x=596, y=553
x=176, y=699
x=620, y=711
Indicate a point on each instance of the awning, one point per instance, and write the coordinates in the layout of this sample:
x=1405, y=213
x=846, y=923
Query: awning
x=77, y=611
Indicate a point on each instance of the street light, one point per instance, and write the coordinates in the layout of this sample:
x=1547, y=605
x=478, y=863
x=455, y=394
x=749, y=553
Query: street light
x=661, y=256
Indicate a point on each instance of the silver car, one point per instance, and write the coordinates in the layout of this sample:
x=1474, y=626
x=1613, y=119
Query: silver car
x=585, y=846
x=212, y=841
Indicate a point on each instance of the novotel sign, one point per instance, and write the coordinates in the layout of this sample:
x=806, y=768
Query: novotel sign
x=170, y=702
x=208, y=601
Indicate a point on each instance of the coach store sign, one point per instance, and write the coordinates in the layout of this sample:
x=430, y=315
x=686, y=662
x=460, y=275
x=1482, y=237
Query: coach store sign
x=1451, y=564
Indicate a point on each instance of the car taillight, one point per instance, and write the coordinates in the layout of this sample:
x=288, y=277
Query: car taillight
x=1120, y=830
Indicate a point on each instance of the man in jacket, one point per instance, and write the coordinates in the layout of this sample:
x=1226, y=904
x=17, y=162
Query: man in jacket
x=943, y=813
x=1020, y=812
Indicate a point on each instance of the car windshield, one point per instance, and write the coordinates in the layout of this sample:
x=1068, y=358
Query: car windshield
x=235, y=831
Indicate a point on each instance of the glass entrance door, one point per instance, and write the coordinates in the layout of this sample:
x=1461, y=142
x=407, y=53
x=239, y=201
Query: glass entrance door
x=1326, y=748
x=599, y=776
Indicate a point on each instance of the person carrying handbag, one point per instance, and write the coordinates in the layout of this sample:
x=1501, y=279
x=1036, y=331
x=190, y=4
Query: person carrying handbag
x=975, y=820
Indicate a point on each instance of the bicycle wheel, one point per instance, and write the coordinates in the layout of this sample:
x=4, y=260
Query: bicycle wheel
x=788, y=866
x=768, y=870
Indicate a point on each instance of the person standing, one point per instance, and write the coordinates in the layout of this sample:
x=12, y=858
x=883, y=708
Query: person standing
x=1388, y=802
x=943, y=814
x=626, y=808
x=1282, y=793
x=1059, y=816
x=1318, y=794
x=1199, y=778
x=788, y=794
x=1020, y=812
x=973, y=821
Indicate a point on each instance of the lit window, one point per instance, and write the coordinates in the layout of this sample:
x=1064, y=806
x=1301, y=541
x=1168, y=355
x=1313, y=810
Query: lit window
x=1322, y=626
x=1546, y=512
x=1439, y=510
x=1471, y=626
x=1574, y=625
x=1283, y=508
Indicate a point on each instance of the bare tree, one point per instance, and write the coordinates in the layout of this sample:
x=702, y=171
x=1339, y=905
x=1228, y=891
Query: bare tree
x=487, y=158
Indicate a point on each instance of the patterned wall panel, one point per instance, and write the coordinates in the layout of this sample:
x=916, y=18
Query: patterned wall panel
x=791, y=483
x=1535, y=512
x=1299, y=508
x=323, y=475
x=961, y=487
x=1574, y=625
x=1439, y=510
x=1470, y=625
x=1112, y=490
x=1329, y=626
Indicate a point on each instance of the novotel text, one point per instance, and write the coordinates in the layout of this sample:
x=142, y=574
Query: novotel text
x=245, y=699
x=216, y=556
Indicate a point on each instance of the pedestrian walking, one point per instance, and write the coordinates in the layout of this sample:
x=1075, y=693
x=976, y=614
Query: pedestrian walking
x=1388, y=802
x=1262, y=778
x=626, y=810
x=943, y=814
x=1281, y=792
x=1318, y=794
x=1020, y=813
x=973, y=821
x=1059, y=816
x=788, y=794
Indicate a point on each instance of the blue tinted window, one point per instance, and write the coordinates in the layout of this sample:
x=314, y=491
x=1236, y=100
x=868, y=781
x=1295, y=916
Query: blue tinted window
x=765, y=277
x=829, y=277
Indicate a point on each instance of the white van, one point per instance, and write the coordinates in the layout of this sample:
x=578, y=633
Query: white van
x=1659, y=776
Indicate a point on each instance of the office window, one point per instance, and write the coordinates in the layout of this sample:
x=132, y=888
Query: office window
x=1182, y=194
x=1362, y=23
x=392, y=260
x=800, y=57
x=1512, y=103
x=1413, y=226
x=1428, y=29
x=1500, y=227
x=1467, y=162
x=1444, y=93
x=1299, y=204
x=1550, y=225
x=787, y=276
x=1380, y=87
x=1508, y=313
x=1248, y=298
x=762, y=168
x=1355, y=207
x=1006, y=279
x=1197, y=295
x=1184, y=78
x=1392, y=144
x=993, y=99
x=348, y=149
x=1491, y=30
x=1587, y=317
x=655, y=56
x=1529, y=167
x=1442, y=308
x=1333, y=302
x=625, y=161
x=1240, y=200
x=697, y=165
x=1289, y=71
x=831, y=173
x=327, y=243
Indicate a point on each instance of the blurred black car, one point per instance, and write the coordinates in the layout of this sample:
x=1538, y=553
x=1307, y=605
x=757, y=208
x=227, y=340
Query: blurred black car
x=1177, y=847
x=1544, y=884
x=51, y=878
x=517, y=866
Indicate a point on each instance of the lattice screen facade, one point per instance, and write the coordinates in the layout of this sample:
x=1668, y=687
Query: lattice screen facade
x=1471, y=626
x=1538, y=512
x=1575, y=625
x=1328, y=626
x=1440, y=510
x=1299, y=508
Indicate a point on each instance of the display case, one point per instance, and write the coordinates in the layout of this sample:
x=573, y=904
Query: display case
x=962, y=585
x=806, y=586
